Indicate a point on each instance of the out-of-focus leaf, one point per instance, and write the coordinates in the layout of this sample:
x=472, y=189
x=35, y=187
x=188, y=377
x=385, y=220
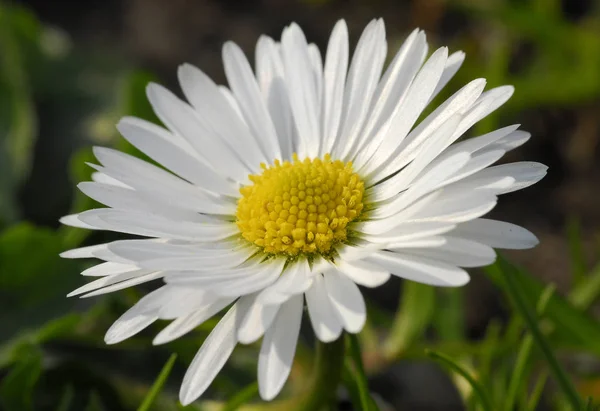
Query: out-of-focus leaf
x=449, y=316
x=95, y=404
x=18, y=121
x=33, y=279
x=412, y=318
x=242, y=397
x=587, y=291
x=158, y=384
x=574, y=327
x=16, y=389
x=66, y=399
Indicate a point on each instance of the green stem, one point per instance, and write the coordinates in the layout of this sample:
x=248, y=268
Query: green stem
x=359, y=375
x=563, y=380
x=327, y=373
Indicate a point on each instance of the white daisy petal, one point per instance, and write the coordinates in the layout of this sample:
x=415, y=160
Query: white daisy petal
x=420, y=269
x=110, y=280
x=256, y=321
x=336, y=65
x=211, y=357
x=407, y=113
x=246, y=91
x=455, y=60
x=83, y=252
x=392, y=88
x=135, y=280
x=295, y=279
x=278, y=348
x=220, y=114
x=158, y=144
x=109, y=268
x=181, y=119
x=324, y=320
x=347, y=301
x=150, y=225
x=73, y=220
x=460, y=252
x=497, y=234
x=363, y=76
x=363, y=273
x=188, y=322
x=301, y=90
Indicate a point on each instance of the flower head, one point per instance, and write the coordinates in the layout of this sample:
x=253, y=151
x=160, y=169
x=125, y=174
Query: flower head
x=293, y=185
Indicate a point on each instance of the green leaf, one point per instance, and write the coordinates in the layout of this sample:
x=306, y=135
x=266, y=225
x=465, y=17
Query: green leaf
x=449, y=317
x=478, y=389
x=16, y=390
x=514, y=290
x=158, y=384
x=587, y=291
x=66, y=399
x=574, y=327
x=18, y=120
x=517, y=378
x=95, y=403
x=34, y=280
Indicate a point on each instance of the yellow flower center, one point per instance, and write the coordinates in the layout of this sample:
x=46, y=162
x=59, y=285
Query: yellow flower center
x=300, y=206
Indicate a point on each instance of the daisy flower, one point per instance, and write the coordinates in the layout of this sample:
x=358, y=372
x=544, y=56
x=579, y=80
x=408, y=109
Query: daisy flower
x=292, y=186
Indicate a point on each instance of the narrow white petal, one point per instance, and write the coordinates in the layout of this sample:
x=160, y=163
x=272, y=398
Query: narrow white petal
x=156, y=142
x=408, y=111
x=278, y=349
x=525, y=173
x=256, y=321
x=324, y=320
x=407, y=150
x=109, y=268
x=188, y=322
x=301, y=90
x=391, y=91
x=460, y=252
x=182, y=120
x=158, y=184
x=221, y=113
x=83, y=252
x=455, y=60
x=211, y=357
x=497, y=234
x=72, y=220
x=150, y=225
x=363, y=77
x=420, y=269
x=245, y=89
x=135, y=280
x=295, y=279
x=109, y=280
x=347, y=301
x=363, y=273
x=336, y=66
x=138, y=317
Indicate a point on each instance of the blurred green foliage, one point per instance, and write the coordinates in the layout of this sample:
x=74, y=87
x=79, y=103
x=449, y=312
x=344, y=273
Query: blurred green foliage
x=52, y=355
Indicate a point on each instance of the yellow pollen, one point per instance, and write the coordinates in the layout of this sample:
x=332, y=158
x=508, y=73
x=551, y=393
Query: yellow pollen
x=300, y=206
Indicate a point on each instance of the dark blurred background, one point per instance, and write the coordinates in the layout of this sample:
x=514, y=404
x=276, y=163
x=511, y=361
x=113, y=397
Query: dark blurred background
x=70, y=69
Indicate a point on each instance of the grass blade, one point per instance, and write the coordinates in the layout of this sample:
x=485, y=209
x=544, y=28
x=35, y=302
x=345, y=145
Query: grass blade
x=514, y=292
x=357, y=372
x=158, y=384
x=478, y=389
